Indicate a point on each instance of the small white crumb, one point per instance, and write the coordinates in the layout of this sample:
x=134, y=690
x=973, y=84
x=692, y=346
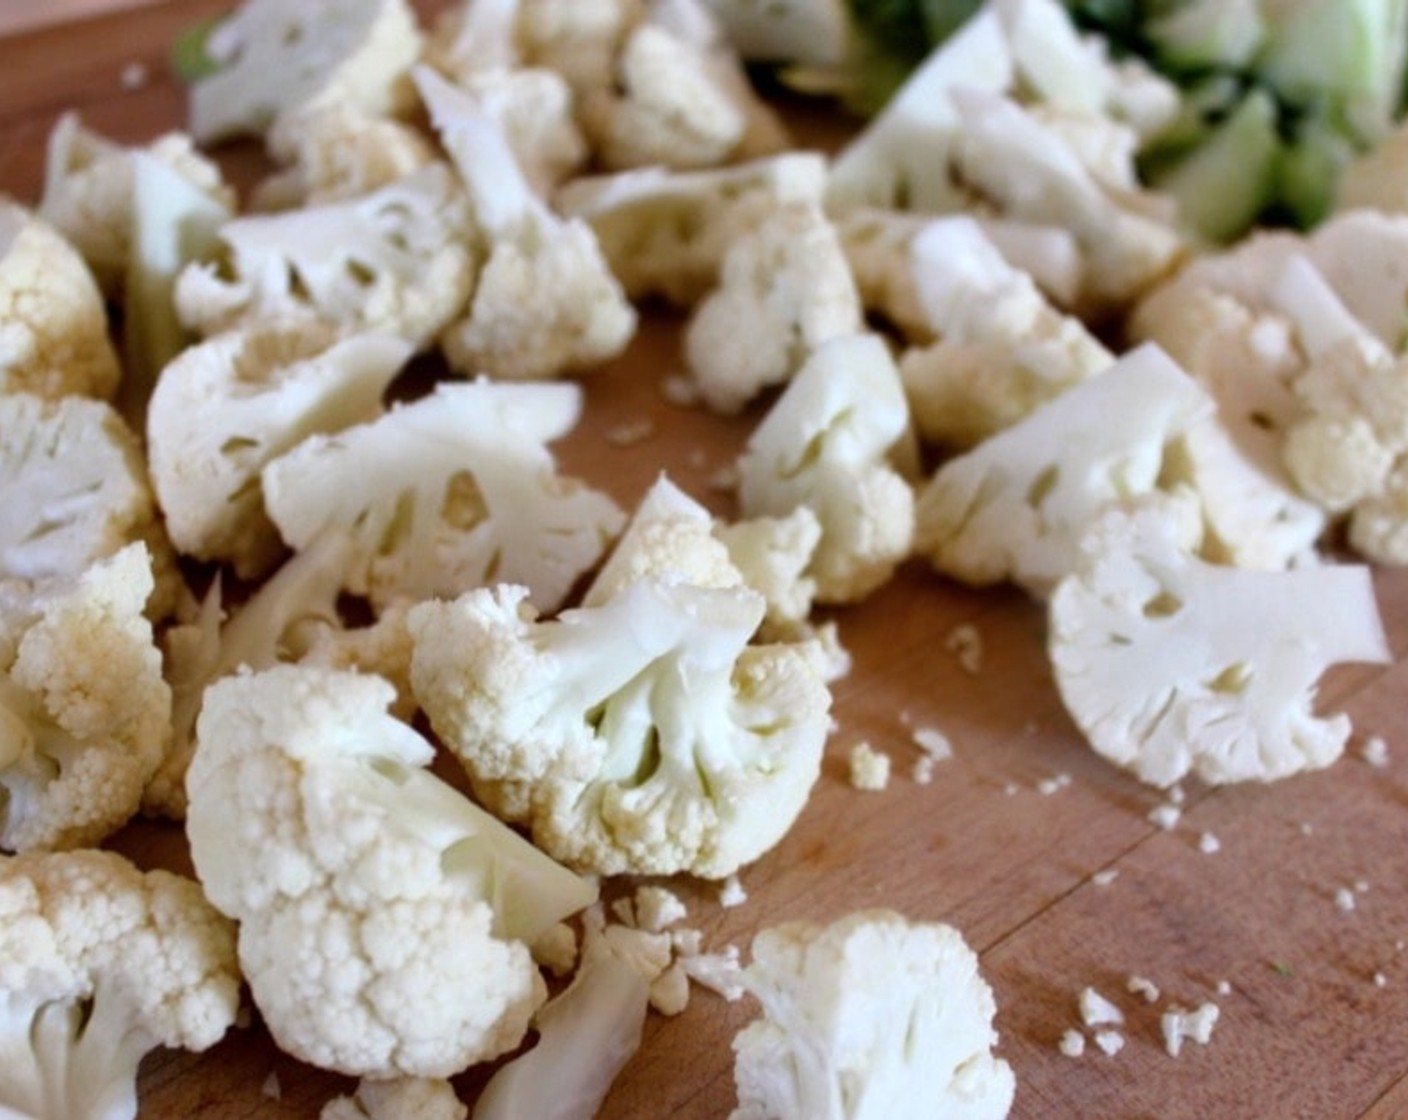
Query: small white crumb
x=697, y=458
x=556, y=949
x=1110, y=1042
x=271, y=1087
x=870, y=769
x=725, y=479
x=719, y=972
x=1096, y=1010
x=1306, y=828
x=1178, y=1023
x=731, y=892
x=1224, y=987
x=1175, y=795
x=657, y=908
x=1345, y=900
x=1143, y=986
x=1361, y=885
x=1105, y=876
x=966, y=644
x=1400, y=945
x=933, y=742
x=1054, y=784
x=1380, y=980
x=1375, y=751
x=631, y=432
x=134, y=76
x=1072, y=1043
x=680, y=389
x=1209, y=844
x=923, y=770
x=669, y=992
x=1165, y=816
x=1011, y=789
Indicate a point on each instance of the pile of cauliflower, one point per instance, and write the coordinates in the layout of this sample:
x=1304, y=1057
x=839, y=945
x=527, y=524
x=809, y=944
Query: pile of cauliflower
x=257, y=569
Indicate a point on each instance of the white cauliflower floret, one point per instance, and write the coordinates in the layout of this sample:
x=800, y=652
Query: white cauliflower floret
x=457, y=489
x=666, y=232
x=1173, y=666
x=642, y=735
x=102, y=964
x=273, y=57
x=545, y=301
x=89, y=192
x=85, y=715
x=1002, y=349
x=784, y=290
x=399, y=260
x=1014, y=507
x=870, y=1017
x=678, y=97
x=773, y=555
x=824, y=444
x=335, y=151
x=383, y=918
x=53, y=324
x=73, y=489
x=578, y=39
x=400, y=1098
x=226, y=407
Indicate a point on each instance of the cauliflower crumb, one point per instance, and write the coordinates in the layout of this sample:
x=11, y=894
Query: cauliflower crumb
x=556, y=949
x=669, y=992
x=1306, y=828
x=1109, y=1042
x=933, y=743
x=681, y=390
x=1143, y=986
x=1224, y=987
x=1104, y=877
x=1165, y=816
x=1380, y=980
x=271, y=1087
x=1011, y=789
x=657, y=907
x=1178, y=1023
x=719, y=972
x=1345, y=900
x=731, y=892
x=923, y=770
x=1209, y=844
x=870, y=769
x=1096, y=1010
x=966, y=644
x=1054, y=784
x=134, y=76
x=725, y=479
x=1175, y=795
x=1072, y=1043
x=1375, y=752
x=630, y=432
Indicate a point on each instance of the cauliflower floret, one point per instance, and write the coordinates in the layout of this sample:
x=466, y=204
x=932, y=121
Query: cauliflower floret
x=383, y=918
x=666, y=232
x=103, y=963
x=332, y=152
x=1002, y=350
x=871, y=1016
x=1014, y=507
x=401, y=1098
x=823, y=445
x=459, y=489
x=545, y=301
x=1171, y=665
x=85, y=715
x=578, y=39
x=53, y=324
x=73, y=489
x=642, y=735
x=400, y=260
x=225, y=408
x=773, y=554
x=89, y=197
x=678, y=97
x=274, y=57
x=784, y=291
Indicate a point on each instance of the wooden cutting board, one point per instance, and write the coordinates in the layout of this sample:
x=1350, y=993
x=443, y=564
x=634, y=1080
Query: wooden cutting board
x=1039, y=852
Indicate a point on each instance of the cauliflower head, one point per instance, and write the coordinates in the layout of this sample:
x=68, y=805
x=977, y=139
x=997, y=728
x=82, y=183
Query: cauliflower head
x=54, y=337
x=85, y=715
x=383, y=918
x=1173, y=666
x=872, y=1016
x=824, y=445
x=101, y=963
x=227, y=406
x=399, y=260
x=461, y=490
x=644, y=735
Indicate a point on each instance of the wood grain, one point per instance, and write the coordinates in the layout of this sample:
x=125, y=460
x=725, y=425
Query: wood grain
x=1313, y=998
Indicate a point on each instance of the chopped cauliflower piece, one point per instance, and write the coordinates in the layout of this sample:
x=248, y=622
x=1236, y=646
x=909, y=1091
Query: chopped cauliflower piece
x=1097, y=1011
x=53, y=324
x=869, y=768
x=656, y=908
x=1171, y=665
x=1178, y=1024
x=872, y=1015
